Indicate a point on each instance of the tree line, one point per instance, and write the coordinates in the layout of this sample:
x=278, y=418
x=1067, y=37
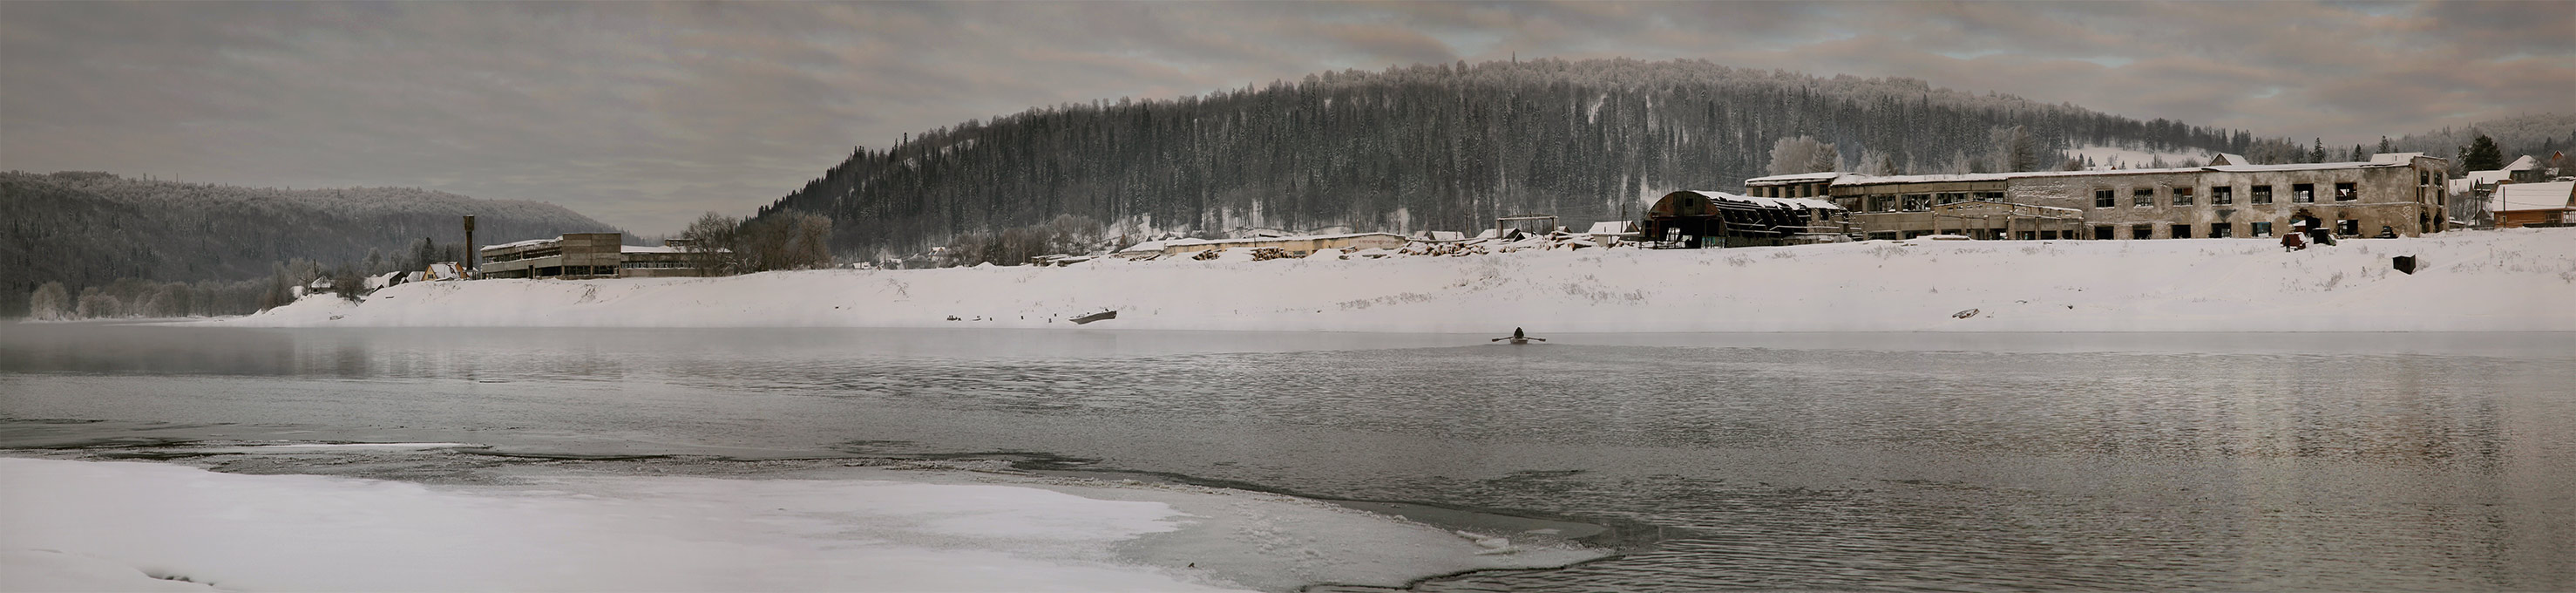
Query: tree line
x=1427, y=147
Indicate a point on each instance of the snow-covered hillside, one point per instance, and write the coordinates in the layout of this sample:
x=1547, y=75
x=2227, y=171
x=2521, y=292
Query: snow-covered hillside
x=2513, y=280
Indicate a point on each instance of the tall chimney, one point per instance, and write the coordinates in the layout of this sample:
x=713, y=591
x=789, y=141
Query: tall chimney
x=473, y=253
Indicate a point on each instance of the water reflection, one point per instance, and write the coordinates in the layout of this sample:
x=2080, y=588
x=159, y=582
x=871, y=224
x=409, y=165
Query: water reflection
x=1853, y=461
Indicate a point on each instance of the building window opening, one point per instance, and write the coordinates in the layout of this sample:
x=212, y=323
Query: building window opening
x=1918, y=202
x=1953, y=198
x=2103, y=198
x=2142, y=197
x=2221, y=230
x=2027, y=235
x=2344, y=192
x=2262, y=229
x=2303, y=193
x=2222, y=195
x=2262, y=195
x=2182, y=196
x=2047, y=235
x=2144, y=231
x=2182, y=231
x=1991, y=196
x=2104, y=231
x=2348, y=227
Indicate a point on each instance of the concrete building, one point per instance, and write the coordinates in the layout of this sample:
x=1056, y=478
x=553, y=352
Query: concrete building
x=2404, y=192
x=589, y=255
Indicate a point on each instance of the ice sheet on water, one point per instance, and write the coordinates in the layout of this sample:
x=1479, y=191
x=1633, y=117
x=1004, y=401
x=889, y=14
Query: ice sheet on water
x=96, y=525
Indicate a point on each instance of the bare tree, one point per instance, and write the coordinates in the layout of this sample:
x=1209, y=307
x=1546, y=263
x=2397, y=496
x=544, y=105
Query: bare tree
x=714, y=241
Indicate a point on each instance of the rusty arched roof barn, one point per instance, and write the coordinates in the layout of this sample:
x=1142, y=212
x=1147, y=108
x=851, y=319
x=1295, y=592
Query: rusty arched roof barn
x=1694, y=219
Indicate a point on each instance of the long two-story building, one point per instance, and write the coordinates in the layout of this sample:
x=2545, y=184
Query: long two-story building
x=2403, y=193
x=590, y=255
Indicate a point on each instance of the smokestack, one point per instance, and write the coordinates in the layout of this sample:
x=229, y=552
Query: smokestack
x=473, y=253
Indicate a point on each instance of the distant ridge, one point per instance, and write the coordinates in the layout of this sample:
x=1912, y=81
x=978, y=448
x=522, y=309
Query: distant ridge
x=88, y=228
x=1441, y=147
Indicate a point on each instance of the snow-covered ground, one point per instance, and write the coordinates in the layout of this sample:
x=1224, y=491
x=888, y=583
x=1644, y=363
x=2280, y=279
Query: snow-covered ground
x=121, y=526
x=2510, y=280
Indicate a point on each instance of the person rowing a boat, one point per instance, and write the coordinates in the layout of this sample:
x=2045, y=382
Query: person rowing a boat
x=1518, y=337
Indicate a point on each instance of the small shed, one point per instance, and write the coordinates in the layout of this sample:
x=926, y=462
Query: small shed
x=1697, y=219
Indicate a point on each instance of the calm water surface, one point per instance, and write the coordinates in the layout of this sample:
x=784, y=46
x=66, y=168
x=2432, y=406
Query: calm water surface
x=1726, y=461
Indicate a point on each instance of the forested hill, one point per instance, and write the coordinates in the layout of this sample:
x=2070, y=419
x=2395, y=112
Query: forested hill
x=85, y=229
x=1443, y=147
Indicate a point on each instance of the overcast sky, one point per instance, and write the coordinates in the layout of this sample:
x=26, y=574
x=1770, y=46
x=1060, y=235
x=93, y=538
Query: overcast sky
x=644, y=115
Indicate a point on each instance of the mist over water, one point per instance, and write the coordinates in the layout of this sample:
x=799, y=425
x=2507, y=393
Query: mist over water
x=1871, y=461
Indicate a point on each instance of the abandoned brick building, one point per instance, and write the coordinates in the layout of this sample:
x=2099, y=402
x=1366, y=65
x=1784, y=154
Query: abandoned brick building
x=2403, y=192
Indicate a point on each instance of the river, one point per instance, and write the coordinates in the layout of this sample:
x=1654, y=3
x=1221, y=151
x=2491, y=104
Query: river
x=1980, y=462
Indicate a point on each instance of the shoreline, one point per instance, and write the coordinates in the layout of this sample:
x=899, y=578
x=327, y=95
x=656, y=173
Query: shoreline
x=2484, y=281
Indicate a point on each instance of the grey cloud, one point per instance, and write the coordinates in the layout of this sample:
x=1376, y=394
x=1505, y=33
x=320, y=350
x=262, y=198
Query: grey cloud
x=644, y=114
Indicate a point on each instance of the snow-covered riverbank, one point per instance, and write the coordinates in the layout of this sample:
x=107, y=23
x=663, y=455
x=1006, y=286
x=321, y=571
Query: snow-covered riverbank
x=2512, y=280
x=121, y=526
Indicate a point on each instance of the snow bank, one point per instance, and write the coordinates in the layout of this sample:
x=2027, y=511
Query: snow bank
x=2512, y=280
x=75, y=525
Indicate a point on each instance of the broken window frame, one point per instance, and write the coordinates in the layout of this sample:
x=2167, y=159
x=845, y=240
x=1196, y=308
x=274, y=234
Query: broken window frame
x=2303, y=193
x=2346, y=191
x=2142, y=197
x=2262, y=229
x=2222, y=195
x=2142, y=231
x=2104, y=197
x=2182, y=196
x=2261, y=194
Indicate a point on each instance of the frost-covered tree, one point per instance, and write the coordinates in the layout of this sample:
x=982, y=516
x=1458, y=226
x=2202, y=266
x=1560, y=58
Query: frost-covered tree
x=1876, y=162
x=1801, y=154
x=95, y=303
x=2014, y=148
x=50, y=302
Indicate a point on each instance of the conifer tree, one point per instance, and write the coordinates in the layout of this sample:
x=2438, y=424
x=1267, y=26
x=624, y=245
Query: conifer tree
x=2482, y=155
